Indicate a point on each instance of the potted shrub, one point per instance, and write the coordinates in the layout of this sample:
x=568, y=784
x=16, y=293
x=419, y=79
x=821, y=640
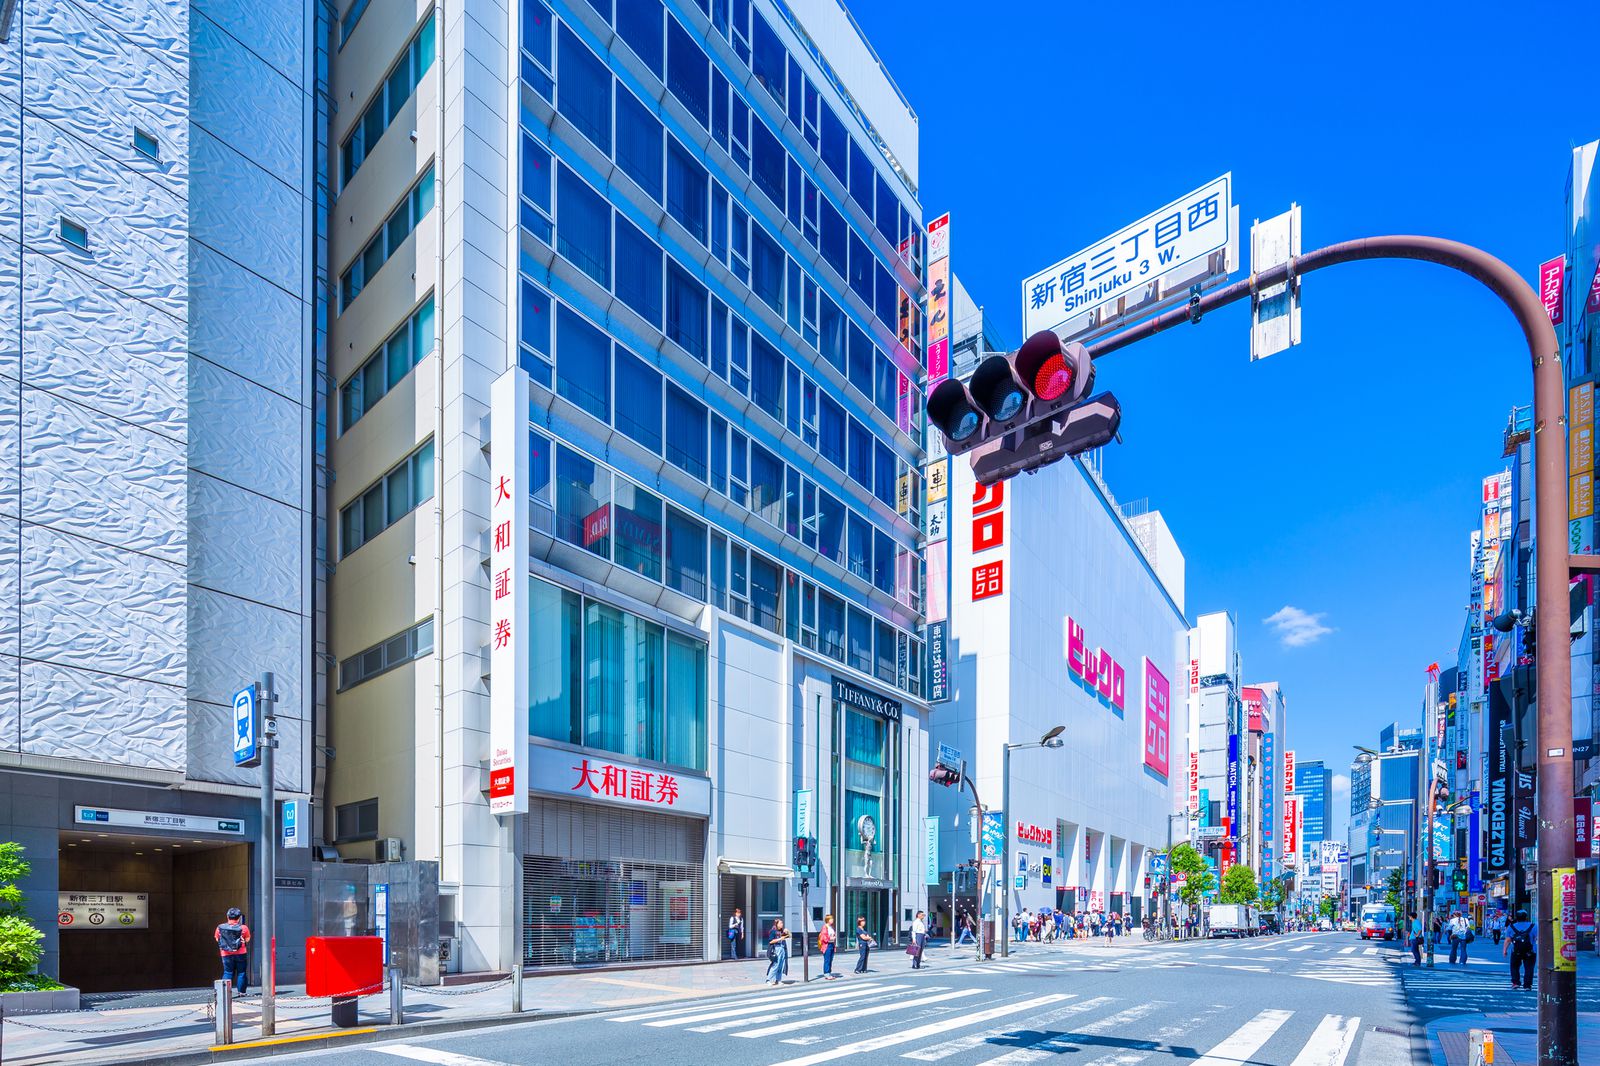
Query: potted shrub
x=22, y=987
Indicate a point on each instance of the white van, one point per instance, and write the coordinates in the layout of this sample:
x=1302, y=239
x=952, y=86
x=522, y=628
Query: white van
x=1231, y=919
x=1377, y=921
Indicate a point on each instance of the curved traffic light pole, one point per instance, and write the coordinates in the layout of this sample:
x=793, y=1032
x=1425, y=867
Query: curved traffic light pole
x=1557, y=988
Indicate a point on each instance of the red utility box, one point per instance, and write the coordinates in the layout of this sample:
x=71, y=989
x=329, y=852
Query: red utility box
x=343, y=965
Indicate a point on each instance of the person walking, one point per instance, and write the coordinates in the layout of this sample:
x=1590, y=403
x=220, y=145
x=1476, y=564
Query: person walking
x=777, y=952
x=1460, y=937
x=736, y=934
x=919, y=939
x=1521, y=943
x=1110, y=928
x=864, y=944
x=966, y=936
x=1497, y=924
x=233, y=942
x=1414, y=934
x=826, y=940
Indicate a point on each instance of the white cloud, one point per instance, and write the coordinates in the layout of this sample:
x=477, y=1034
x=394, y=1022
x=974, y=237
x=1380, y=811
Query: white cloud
x=1297, y=628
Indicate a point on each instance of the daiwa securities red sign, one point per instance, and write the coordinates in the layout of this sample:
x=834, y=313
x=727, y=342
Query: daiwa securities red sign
x=1096, y=669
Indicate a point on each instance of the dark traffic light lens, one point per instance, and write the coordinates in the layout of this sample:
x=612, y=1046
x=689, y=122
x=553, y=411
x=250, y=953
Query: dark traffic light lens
x=1052, y=379
x=1005, y=401
x=966, y=425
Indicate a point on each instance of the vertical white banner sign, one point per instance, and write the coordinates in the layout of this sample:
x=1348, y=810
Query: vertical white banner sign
x=509, y=444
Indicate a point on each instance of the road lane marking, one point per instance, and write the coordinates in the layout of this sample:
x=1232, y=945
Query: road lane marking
x=1347, y=951
x=967, y=1043
x=1303, y=947
x=1161, y=1039
x=685, y=1012
x=1245, y=1041
x=734, y=1019
x=433, y=1055
x=1331, y=1042
x=909, y=1036
x=863, y=1012
x=1055, y=1045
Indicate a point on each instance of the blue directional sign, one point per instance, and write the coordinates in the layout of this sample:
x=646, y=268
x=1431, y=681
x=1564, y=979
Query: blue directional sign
x=1158, y=866
x=246, y=722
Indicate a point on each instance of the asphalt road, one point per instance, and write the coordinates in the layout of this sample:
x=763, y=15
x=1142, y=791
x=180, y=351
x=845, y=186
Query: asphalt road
x=1313, y=999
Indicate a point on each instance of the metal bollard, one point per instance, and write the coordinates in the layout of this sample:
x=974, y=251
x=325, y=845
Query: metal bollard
x=222, y=1011
x=516, y=988
x=397, y=1006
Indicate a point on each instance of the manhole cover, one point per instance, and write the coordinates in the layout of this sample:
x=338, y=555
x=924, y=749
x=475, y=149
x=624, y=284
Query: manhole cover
x=1391, y=1030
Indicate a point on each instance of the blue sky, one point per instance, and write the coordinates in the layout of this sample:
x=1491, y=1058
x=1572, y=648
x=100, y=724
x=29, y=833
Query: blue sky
x=1341, y=478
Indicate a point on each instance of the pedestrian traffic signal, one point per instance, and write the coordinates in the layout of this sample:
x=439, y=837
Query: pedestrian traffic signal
x=943, y=775
x=1042, y=380
x=805, y=854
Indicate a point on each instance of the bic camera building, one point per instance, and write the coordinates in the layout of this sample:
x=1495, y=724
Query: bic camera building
x=628, y=356
x=1063, y=612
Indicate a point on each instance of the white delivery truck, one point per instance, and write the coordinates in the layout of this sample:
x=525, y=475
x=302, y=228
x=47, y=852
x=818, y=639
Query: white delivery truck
x=1231, y=919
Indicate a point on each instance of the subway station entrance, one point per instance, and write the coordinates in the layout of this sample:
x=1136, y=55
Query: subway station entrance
x=137, y=912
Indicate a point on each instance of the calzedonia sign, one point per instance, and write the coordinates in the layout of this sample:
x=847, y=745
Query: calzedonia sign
x=865, y=700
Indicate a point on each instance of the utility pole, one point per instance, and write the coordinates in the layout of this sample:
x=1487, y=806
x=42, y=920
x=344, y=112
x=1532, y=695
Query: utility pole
x=267, y=918
x=1557, y=1040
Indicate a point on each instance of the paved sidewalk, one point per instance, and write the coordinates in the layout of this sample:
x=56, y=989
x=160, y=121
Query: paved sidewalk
x=176, y=1027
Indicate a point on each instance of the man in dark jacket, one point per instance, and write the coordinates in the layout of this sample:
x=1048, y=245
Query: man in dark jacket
x=1521, y=941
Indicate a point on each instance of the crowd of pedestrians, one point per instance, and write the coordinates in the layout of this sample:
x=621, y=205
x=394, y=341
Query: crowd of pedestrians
x=1516, y=937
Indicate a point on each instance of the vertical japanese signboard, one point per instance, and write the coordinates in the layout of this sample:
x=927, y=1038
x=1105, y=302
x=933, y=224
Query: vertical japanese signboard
x=988, y=576
x=1552, y=288
x=509, y=456
x=1498, y=859
x=1564, y=931
x=1269, y=804
x=1291, y=830
x=1194, y=784
x=1580, y=468
x=1288, y=771
x=1157, y=719
x=1233, y=784
x=930, y=850
x=939, y=299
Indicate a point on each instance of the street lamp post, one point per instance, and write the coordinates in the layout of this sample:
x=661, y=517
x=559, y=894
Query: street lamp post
x=1052, y=739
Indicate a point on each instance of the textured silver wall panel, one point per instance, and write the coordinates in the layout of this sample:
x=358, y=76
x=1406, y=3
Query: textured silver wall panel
x=159, y=25
x=10, y=307
x=245, y=323
x=10, y=167
x=135, y=226
x=234, y=639
x=101, y=349
x=241, y=210
x=10, y=545
x=210, y=748
x=245, y=434
x=99, y=85
x=101, y=478
x=102, y=608
x=275, y=30
x=263, y=123
x=228, y=527
x=77, y=714
x=10, y=705
x=10, y=455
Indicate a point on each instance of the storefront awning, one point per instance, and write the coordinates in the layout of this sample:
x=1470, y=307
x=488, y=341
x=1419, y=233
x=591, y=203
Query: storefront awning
x=749, y=868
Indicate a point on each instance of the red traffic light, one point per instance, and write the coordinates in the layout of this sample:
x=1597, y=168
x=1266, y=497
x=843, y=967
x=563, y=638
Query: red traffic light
x=1054, y=371
x=943, y=775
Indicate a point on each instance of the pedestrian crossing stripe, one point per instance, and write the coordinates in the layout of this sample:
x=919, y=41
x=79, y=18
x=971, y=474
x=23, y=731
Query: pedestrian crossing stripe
x=907, y=1036
x=862, y=1012
x=975, y=1040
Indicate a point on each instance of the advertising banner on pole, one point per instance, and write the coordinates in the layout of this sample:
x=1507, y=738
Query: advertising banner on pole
x=1269, y=805
x=930, y=850
x=1474, y=848
x=1233, y=782
x=994, y=836
x=939, y=299
x=1498, y=860
x=1564, y=923
x=509, y=459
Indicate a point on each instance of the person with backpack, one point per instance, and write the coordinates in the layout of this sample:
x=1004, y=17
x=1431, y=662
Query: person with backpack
x=1460, y=937
x=233, y=942
x=736, y=933
x=1522, y=944
x=826, y=940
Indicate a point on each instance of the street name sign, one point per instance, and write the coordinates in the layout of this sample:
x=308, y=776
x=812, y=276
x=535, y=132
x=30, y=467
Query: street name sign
x=1275, y=310
x=1193, y=242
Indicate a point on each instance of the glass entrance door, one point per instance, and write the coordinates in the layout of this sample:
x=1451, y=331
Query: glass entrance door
x=871, y=903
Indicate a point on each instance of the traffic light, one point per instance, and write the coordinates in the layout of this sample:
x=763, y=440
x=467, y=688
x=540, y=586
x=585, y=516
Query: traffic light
x=805, y=854
x=943, y=775
x=1458, y=880
x=1529, y=649
x=1024, y=404
x=1411, y=884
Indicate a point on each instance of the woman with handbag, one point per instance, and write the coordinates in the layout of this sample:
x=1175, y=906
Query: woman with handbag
x=919, y=939
x=777, y=952
x=864, y=944
x=826, y=940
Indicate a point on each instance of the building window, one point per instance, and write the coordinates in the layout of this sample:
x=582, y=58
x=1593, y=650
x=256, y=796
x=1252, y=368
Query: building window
x=687, y=184
x=636, y=530
x=583, y=226
x=74, y=233
x=536, y=212
x=533, y=329
x=768, y=59
x=584, y=90
x=639, y=143
x=387, y=366
x=583, y=492
x=686, y=311
x=393, y=233
x=347, y=23
x=638, y=273
x=391, y=498
x=639, y=24
x=688, y=73
x=766, y=376
x=536, y=60
x=686, y=554
x=611, y=680
x=769, y=163
x=396, y=88
x=766, y=268
x=638, y=400
x=583, y=364
x=356, y=821
x=398, y=650
x=146, y=144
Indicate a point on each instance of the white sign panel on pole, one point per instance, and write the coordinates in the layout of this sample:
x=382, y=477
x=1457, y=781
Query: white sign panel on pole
x=296, y=823
x=802, y=812
x=102, y=910
x=509, y=456
x=246, y=727
x=1193, y=240
x=1275, y=310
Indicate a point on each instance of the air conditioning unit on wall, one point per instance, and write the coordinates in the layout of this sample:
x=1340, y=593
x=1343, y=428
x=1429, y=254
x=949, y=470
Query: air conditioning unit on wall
x=390, y=850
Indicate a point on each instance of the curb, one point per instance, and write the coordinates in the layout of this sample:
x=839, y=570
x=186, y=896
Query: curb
x=323, y=1040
